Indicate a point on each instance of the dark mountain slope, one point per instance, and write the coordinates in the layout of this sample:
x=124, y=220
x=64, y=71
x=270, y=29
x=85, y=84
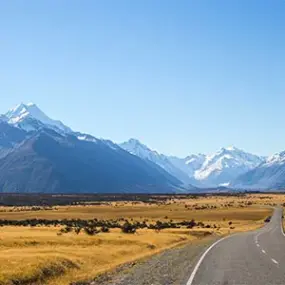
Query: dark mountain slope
x=266, y=176
x=51, y=163
x=9, y=135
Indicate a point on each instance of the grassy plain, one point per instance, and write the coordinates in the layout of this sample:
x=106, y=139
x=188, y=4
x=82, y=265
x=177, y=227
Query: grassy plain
x=40, y=255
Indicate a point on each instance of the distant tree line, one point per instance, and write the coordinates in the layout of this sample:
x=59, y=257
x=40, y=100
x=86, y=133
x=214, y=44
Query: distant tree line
x=40, y=199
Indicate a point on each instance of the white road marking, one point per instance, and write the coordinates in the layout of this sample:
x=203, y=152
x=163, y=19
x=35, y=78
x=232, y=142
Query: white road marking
x=273, y=260
x=257, y=236
x=264, y=231
x=191, y=279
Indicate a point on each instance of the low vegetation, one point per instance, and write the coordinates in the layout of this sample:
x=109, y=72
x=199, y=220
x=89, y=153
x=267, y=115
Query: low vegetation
x=60, y=244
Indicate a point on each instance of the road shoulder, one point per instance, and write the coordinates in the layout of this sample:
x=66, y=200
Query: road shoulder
x=172, y=266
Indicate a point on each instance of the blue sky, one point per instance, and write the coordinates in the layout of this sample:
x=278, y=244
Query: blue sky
x=181, y=76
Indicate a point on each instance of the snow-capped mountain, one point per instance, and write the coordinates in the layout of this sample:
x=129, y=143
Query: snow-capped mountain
x=276, y=159
x=188, y=164
x=170, y=163
x=39, y=154
x=269, y=174
x=218, y=169
x=29, y=118
x=226, y=165
x=136, y=148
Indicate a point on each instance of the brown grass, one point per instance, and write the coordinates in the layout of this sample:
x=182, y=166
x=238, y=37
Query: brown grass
x=175, y=210
x=41, y=256
x=25, y=253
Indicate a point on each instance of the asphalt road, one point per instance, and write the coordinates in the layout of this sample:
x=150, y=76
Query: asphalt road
x=253, y=258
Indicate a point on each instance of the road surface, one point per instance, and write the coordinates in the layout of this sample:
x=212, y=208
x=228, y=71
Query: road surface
x=253, y=258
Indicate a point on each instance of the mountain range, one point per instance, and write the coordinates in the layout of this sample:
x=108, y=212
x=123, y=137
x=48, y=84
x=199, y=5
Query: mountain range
x=268, y=175
x=40, y=154
x=205, y=171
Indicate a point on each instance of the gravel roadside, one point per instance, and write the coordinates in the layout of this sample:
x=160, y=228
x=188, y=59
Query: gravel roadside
x=170, y=267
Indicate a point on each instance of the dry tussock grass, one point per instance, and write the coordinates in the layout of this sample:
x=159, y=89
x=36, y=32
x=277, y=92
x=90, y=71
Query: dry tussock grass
x=41, y=256
x=39, y=253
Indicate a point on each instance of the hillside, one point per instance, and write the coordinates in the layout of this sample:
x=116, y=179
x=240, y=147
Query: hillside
x=52, y=163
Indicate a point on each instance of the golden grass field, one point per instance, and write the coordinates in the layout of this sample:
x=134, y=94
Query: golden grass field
x=39, y=255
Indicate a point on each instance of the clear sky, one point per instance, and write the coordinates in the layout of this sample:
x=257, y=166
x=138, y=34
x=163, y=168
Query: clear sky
x=181, y=76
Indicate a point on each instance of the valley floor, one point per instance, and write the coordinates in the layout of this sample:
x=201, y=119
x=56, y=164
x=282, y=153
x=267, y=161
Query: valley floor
x=47, y=255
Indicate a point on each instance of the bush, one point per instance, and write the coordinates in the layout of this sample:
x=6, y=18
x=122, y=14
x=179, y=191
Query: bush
x=105, y=229
x=191, y=224
x=77, y=230
x=66, y=230
x=200, y=224
x=128, y=228
x=91, y=231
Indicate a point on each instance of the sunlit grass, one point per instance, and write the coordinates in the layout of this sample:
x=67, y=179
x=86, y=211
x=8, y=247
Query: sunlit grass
x=42, y=256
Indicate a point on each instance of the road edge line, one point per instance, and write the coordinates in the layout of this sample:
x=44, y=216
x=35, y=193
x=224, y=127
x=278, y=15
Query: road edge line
x=282, y=228
x=192, y=276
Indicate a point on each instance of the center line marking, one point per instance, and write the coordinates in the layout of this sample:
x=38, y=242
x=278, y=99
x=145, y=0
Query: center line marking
x=273, y=260
x=257, y=245
x=263, y=251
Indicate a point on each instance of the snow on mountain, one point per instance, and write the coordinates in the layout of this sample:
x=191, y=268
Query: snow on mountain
x=278, y=158
x=189, y=164
x=218, y=169
x=85, y=137
x=195, y=160
x=226, y=165
x=268, y=175
x=135, y=147
x=29, y=117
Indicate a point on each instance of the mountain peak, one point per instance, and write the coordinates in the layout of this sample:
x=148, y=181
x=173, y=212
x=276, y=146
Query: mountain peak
x=22, y=115
x=133, y=143
x=22, y=110
x=231, y=148
x=137, y=148
x=222, y=166
x=30, y=104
